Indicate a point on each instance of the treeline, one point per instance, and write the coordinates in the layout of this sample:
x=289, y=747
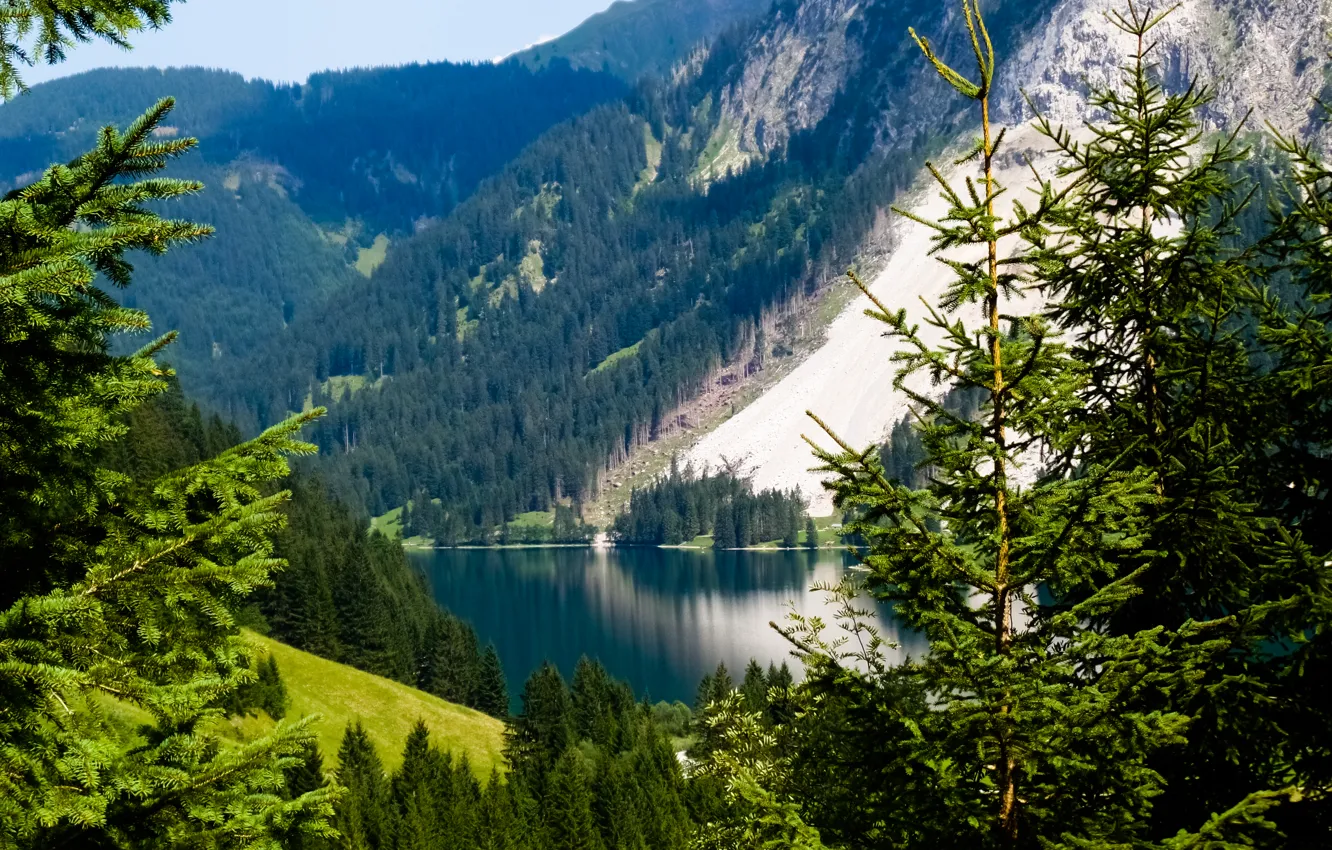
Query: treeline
x=428, y=518
x=345, y=595
x=589, y=767
x=683, y=505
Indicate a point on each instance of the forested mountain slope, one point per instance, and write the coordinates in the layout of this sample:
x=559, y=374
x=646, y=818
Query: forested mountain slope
x=304, y=184
x=613, y=270
x=636, y=37
x=1261, y=56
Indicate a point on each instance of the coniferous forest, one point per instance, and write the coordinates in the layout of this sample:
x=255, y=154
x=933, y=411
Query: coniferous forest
x=1108, y=525
x=684, y=505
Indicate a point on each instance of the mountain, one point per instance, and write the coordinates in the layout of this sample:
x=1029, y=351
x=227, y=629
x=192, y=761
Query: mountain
x=306, y=185
x=632, y=38
x=611, y=271
x=1267, y=56
x=498, y=360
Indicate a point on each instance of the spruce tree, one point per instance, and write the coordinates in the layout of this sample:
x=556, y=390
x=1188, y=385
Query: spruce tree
x=754, y=688
x=567, y=806
x=421, y=795
x=363, y=817
x=1148, y=271
x=450, y=667
x=308, y=773
x=33, y=31
x=273, y=688
x=500, y=824
x=492, y=688
x=1296, y=331
x=543, y=729
x=723, y=527
x=590, y=693
x=116, y=592
x=302, y=778
x=1046, y=722
x=811, y=533
x=791, y=528
x=618, y=805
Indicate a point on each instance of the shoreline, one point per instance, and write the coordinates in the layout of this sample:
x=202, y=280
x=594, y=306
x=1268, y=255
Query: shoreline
x=680, y=546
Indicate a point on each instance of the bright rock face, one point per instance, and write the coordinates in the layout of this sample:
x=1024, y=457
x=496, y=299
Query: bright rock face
x=1266, y=54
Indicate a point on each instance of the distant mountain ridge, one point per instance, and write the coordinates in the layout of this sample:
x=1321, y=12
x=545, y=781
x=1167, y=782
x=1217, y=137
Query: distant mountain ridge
x=632, y=38
x=389, y=146
x=301, y=182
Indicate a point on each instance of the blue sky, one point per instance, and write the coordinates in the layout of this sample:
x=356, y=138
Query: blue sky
x=289, y=39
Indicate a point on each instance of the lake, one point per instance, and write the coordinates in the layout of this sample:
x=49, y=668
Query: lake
x=657, y=618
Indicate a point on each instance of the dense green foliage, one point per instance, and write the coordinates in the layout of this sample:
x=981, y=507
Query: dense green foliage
x=299, y=179
x=590, y=770
x=121, y=598
x=343, y=594
x=427, y=518
x=1129, y=650
x=682, y=505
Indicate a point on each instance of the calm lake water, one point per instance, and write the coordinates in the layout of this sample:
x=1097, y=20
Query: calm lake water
x=657, y=618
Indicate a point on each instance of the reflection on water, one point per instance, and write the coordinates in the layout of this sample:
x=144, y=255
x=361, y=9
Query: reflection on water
x=658, y=618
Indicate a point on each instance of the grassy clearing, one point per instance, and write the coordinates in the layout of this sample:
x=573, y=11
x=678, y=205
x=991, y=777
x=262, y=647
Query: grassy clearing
x=532, y=269
x=389, y=524
x=340, y=694
x=369, y=259
x=465, y=326
x=652, y=151
x=830, y=531
x=535, y=519
x=615, y=357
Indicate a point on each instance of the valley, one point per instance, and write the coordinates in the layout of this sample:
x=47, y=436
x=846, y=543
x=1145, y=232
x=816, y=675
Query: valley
x=797, y=424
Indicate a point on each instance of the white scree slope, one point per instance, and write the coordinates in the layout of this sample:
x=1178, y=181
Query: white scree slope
x=848, y=382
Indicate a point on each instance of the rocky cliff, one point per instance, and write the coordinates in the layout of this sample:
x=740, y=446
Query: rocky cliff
x=808, y=57
x=1266, y=55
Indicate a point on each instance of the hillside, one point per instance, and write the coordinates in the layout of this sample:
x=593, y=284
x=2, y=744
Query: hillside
x=340, y=694
x=632, y=38
x=613, y=271
x=848, y=381
x=306, y=185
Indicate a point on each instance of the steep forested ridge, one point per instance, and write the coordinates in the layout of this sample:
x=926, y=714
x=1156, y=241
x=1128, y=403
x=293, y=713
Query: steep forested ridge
x=486, y=338
x=633, y=38
x=300, y=180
